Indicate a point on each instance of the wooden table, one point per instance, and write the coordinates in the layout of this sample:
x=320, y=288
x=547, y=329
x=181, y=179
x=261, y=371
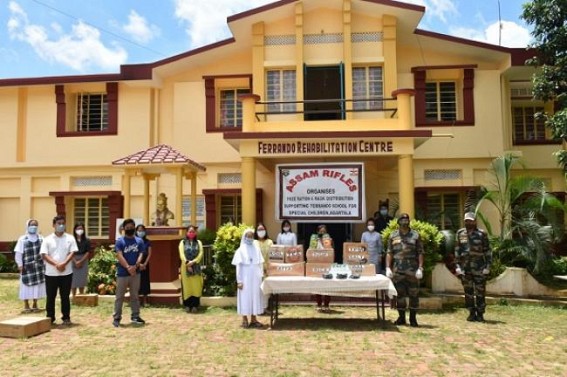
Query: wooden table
x=366, y=286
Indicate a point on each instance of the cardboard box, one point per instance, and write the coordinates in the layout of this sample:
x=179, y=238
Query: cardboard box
x=276, y=253
x=294, y=254
x=363, y=269
x=24, y=326
x=355, y=253
x=86, y=300
x=317, y=269
x=286, y=269
x=320, y=255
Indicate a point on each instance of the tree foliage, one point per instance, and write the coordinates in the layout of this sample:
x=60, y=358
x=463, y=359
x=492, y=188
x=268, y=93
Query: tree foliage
x=550, y=81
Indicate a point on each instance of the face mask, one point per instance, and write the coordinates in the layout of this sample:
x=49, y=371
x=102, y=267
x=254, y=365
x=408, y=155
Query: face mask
x=370, y=228
x=248, y=241
x=129, y=232
x=286, y=228
x=79, y=232
x=141, y=234
x=60, y=228
x=32, y=229
x=383, y=212
x=404, y=223
x=191, y=235
x=261, y=233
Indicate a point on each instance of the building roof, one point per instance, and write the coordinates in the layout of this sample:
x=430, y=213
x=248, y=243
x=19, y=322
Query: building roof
x=158, y=155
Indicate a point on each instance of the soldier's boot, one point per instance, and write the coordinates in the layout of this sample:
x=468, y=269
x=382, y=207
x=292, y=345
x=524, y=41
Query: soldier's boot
x=472, y=315
x=401, y=318
x=412, y=318
x=480, y=317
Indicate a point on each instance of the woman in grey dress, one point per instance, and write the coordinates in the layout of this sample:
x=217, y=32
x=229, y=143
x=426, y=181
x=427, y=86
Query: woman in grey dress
x=80, y=259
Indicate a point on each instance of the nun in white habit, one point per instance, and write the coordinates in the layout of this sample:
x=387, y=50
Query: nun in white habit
x=249, y=272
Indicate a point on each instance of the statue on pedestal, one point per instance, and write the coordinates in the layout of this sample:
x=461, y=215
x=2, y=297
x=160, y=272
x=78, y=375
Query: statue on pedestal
x=162, y=215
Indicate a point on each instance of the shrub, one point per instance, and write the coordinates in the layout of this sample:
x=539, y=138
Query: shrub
x=102, y=271
x=431, y=238
x=7, y=265
x=221, y=281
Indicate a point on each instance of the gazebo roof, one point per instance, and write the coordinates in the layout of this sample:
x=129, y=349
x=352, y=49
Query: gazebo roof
x=159, y=155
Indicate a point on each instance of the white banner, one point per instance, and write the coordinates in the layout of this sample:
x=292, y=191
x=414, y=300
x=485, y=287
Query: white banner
x=325, y=192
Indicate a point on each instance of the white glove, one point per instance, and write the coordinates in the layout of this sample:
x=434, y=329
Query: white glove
x=419, y=274
x=458, y=271
x=486, y=271
x=389, y=273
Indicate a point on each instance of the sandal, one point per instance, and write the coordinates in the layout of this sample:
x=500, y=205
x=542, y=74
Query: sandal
x=26, y=311
x=244, y=324
x=256, y=325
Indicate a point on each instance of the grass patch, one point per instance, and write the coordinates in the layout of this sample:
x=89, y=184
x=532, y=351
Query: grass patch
x=516, y=340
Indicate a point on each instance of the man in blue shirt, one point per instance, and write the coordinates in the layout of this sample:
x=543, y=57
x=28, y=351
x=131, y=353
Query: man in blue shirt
x=129, y=252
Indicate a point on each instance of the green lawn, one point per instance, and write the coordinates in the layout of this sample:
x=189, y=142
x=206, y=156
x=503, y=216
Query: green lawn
x=516, y=341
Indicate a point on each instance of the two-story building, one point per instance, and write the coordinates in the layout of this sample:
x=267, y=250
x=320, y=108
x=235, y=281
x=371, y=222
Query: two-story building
x=319, y=82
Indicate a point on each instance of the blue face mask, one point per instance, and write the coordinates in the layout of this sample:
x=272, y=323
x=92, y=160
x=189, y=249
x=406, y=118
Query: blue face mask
x=141, y=234
x=32, y=229
x=248, y=241
x=60, y=228
x=384, y=212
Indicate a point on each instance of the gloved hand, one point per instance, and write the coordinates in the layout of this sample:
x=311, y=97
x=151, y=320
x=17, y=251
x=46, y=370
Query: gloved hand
x=486, y=271
x=458, y=271
x=419, y=274
x=389, y=273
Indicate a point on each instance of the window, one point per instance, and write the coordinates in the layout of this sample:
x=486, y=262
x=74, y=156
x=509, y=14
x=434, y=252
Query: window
x=526, y=127
x=281, y=88
x=94, y=213
x=92, y=112
x=230, y=209
x=367, y=86
x=443, y=210
x=440, y=101
x=186, y=207
x=231, y=107
x=444, y=95
x=87, y=113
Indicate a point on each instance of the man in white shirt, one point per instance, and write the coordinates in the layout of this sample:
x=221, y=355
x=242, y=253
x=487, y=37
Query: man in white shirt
x=57, y=251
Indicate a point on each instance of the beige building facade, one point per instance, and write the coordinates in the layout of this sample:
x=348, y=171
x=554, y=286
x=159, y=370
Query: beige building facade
x=300, y=82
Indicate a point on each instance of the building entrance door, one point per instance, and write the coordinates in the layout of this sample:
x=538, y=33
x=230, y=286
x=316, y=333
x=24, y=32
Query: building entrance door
x=339, y=232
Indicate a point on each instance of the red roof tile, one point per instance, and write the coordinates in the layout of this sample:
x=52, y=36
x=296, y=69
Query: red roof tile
x=160, y=154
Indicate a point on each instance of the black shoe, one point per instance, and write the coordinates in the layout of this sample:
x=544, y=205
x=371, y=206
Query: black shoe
x=138, y=321
x=472, y=315
x=67, y=322
x=413, y=319
x=401, y=318
x=116, y=323
x=480, y=317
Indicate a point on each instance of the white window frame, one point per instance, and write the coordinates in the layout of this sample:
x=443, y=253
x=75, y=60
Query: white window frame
x=231, y=116
x=440, y=113
x=369, y=87
x=91, y=116
x=95, y=226
x=281, y=85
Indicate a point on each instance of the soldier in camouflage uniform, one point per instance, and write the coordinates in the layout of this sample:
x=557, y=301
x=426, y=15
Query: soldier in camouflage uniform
x=473, y=257
x=406, y=251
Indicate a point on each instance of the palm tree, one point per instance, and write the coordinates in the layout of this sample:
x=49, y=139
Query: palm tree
x=527, y=214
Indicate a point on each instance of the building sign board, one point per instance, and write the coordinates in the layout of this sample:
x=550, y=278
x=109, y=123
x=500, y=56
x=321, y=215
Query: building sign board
x=322, y=192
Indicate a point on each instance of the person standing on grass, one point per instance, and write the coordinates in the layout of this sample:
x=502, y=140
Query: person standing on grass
x=286, y=236
x=322, y=240
x=80, y=260
x=57, y=250
x=145, y=286
x=191, y=255
x=129, y=253
x=249, y=273
x=374, y=241
x=264, y=242
x=404, y=265
x=473, y=257
x=31, y=266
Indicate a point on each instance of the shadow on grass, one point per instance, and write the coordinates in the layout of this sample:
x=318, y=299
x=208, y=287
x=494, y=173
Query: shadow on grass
x=341, y=324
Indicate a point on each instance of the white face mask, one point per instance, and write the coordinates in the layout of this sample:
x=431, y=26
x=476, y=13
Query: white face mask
x=79, y=232
x=286, y=228
x=261, y=233
x=370, y=228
